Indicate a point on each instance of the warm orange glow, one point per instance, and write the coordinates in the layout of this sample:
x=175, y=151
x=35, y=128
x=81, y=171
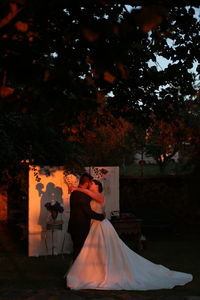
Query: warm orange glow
x=6, y=91
x=21, y=26
x=54, y=180
x=3, y=203
x=90, y=134
x=26, y=161
x=109, y=77
x=39, y=194
x=46, y=75
x=73, y=138
x=104, y=136
x=151, y=16
x=152, y=24
x=14, y=10
x=74, y=130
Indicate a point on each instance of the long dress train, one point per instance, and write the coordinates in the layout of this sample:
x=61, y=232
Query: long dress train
x=106, y=263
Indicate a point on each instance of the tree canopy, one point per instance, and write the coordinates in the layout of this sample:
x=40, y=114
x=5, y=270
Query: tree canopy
x=57, y=57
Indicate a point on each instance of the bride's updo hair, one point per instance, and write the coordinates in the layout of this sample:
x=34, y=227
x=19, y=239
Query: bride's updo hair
x=100, y=186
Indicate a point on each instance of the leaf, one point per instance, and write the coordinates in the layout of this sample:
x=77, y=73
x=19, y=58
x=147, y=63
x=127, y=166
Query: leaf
x=151, y=16
x=14, y=10
x=109, y=77
x=6, y=91
x=156, y=20
x=21, y=26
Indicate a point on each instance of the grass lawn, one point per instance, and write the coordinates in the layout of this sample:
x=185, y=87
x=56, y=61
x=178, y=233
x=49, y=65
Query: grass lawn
x=180, y=253
x=153, y=170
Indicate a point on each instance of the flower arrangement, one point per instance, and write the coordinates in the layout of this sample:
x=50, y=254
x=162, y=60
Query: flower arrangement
x=54, y=207
x=71, y=180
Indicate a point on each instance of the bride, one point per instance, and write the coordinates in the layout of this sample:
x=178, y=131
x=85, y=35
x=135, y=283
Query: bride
x=106, y=263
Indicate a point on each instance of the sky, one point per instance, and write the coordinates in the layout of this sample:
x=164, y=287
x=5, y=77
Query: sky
x=162, y=62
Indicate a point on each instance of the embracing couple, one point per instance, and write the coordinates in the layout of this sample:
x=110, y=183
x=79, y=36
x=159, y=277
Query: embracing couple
x=101, y=260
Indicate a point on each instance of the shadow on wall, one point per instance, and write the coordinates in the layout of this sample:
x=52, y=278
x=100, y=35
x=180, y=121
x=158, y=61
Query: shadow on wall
x=51, y=192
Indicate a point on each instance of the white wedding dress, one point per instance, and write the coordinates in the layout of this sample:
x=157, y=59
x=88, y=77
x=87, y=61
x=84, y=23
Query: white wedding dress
x=106, y=263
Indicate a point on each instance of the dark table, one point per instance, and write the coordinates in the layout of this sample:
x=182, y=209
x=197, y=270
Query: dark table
x=129, y=226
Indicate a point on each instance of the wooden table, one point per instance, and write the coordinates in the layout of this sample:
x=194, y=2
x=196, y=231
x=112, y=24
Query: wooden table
x=130, y=226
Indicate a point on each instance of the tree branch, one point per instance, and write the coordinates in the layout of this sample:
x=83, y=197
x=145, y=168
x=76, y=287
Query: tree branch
x=14, y=10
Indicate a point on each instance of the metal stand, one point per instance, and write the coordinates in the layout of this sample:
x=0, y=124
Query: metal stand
x=53, y=227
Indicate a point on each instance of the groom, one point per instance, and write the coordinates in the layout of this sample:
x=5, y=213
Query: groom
x=81, y=215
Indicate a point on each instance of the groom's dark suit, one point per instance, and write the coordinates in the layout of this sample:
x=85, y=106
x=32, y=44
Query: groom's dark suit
x=79, y=221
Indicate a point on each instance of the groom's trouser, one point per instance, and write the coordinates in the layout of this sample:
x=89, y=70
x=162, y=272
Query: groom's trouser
x=78, y=242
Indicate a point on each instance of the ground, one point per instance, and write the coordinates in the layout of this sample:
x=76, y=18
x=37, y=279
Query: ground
x=41, y=278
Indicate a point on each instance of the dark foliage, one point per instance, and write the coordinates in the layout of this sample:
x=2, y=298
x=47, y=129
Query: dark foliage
x=56, y=55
